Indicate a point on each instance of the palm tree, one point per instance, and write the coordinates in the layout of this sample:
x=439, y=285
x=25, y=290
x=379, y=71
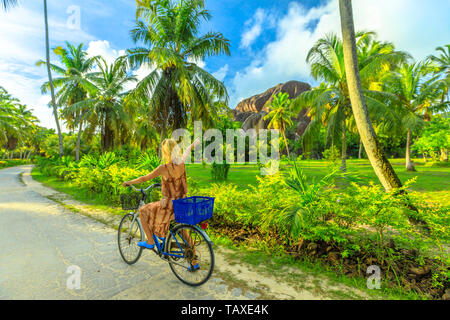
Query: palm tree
x=417, y=96
x=280, y=115
x=330, y=103
x=9, y=120
x=9, y=4
x=442, y=63
x=52, y=89
x=177, y=86
x=382, y=167
x=26, y=127
x=105, y=107
x=73, y=81
x=16, y=122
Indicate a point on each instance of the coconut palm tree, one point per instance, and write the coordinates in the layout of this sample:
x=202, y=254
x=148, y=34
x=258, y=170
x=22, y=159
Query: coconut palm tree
x=418, y=97
x=52, y=89
x=26, y=128
x=104, y=107
x=16, y=122
x=442, y=63
x=280, y=115
x=9, y=120
x=9, y=4
x=330, y=102
x=73, y=82
x=177, y=86
x=382, y=167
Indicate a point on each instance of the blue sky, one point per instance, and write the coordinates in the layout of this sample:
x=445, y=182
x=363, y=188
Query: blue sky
x=269, y=39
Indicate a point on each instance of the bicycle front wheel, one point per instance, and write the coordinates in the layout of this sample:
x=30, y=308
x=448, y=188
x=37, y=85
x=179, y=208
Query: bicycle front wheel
x=193, y=248
x=129, y=234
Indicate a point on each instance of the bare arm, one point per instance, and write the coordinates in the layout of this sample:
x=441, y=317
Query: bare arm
x=187, y=152
x=152, y=175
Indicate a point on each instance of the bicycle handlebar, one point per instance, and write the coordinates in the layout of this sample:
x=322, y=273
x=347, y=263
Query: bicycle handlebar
x=155, y=185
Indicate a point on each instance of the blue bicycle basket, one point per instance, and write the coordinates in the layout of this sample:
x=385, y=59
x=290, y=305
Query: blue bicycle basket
x=193, y=210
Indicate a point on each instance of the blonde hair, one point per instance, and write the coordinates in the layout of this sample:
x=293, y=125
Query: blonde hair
x=169, y=150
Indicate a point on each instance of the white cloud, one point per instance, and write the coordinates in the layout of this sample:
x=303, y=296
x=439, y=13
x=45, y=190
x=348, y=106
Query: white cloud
x=200, y=63
x=415, y=26
x=22, y=44
x=255, y=26
x=103, y=48
x=221, y=73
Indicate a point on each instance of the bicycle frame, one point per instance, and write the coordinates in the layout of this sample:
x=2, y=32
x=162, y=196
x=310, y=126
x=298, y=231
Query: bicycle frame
x=136, y=217
x=160, y=242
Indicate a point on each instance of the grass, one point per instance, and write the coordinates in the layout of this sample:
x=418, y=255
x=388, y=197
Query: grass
x=94, y=200
x=432, y=181
x=12, y=163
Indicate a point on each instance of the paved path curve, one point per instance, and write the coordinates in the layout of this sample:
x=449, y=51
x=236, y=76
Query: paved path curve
x=40, y=240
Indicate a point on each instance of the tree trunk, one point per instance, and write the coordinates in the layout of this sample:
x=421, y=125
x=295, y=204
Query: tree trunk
x=77, y=150
x=287, y=145
x=11, y=143
x=382, y=167
x=444, y=155
x=344, y=148
x=409, y=163
x=102, y=135
x=109, y=138
x=360, y=149
x=52, y=89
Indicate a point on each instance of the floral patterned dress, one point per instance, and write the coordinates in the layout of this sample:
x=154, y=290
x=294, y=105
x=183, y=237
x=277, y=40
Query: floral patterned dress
x=159, y=214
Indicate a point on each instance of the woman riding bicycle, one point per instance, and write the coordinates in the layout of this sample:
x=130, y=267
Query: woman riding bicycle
x=156, y=216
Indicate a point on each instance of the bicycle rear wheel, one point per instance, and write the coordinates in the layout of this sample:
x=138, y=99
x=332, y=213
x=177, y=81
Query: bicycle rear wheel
x=129, y=234
x=195, y=249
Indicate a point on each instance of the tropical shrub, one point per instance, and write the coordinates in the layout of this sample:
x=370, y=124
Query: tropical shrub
x=219, y=171
x=307, y=216
x=332, y=154
x=12, y=162
x=435, y=139
x=148, y=161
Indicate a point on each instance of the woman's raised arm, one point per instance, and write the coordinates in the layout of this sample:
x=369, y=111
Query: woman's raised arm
x=188, y=150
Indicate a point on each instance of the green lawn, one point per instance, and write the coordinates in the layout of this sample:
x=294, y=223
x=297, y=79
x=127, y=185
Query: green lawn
x=432, y=181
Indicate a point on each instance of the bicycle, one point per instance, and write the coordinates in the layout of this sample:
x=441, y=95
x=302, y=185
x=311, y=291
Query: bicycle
x=183, y=244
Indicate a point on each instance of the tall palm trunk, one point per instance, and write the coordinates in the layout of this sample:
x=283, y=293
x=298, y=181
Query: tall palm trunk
x=52, y=89
x=344, y=148
x=383, y=169
x=360, y=149
x=77, y=150
x=409, y=163
x=286, y=143
x=108, y=140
